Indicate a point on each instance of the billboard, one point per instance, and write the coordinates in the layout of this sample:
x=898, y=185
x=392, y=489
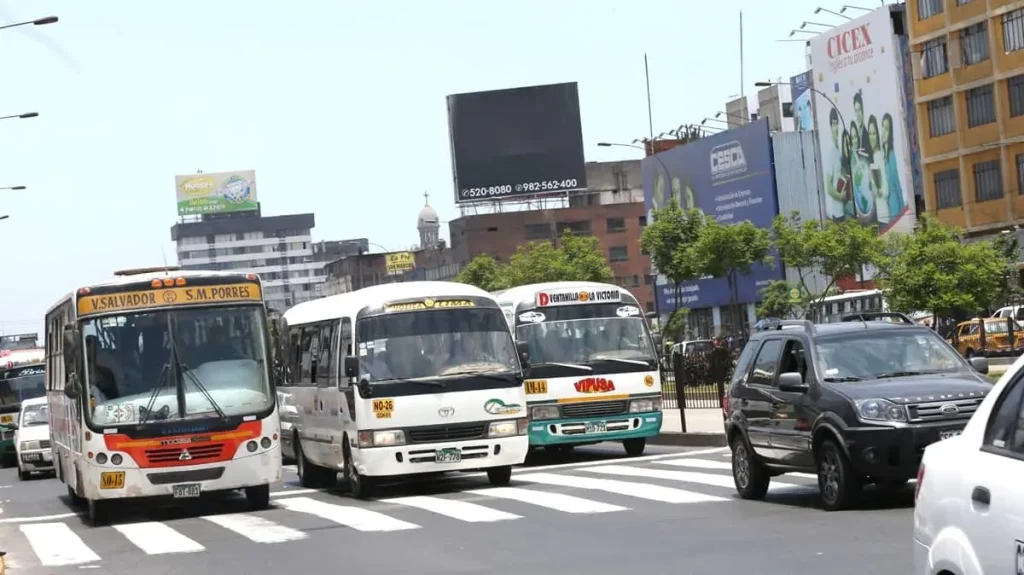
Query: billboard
x=865, y=154
x=517, y=142
x=728, y=175
x=216, y=193
x=803, y=104
x=399, y=263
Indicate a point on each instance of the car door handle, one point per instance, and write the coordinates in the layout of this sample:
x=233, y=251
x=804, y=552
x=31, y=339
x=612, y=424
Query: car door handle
x=981, y=495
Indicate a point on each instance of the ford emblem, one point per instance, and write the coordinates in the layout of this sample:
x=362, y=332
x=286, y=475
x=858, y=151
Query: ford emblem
x=949, y=409
x=446, y=411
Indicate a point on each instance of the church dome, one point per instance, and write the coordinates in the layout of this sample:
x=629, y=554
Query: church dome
x=428, y=216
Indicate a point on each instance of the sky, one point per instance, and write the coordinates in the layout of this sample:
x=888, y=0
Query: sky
x=338, y=106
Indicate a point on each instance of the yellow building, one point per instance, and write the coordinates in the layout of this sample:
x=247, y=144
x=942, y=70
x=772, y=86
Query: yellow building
x=968, y=58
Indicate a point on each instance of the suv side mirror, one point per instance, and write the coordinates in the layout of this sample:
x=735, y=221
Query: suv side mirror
x=523, y=349
x=792, y=381
x=980, y=364
x=351, y=366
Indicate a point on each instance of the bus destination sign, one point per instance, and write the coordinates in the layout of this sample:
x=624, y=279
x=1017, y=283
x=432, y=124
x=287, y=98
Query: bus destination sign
x=136, y=300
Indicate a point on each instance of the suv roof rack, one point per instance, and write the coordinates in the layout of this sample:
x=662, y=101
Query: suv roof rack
x=779, y=324
x=877, y=316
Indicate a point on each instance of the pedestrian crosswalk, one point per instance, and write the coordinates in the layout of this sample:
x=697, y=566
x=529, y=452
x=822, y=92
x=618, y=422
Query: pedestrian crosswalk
x=602, y=488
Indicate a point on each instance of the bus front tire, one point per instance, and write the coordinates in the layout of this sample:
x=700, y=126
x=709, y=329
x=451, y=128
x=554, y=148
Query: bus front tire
x=258, y=497
x=500, y=476
x=360, y=486
x=24, y=475
x=635, y=446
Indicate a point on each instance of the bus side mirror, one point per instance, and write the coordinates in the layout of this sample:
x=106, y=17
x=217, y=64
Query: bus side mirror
x=351, y=366
x=71, y=389
x=523, y=349
x=71, y=339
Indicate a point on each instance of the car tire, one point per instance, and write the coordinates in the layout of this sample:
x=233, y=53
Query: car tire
x=749, y=475
x=500, y=476
x=634, y=447
x=839, y=487
x=258, y=497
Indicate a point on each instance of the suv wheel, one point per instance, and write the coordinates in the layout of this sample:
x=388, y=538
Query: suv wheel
x=837, y=483
x=749, y=475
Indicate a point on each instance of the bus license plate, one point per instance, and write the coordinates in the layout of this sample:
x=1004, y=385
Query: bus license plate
x=29, y=457
x=448, y=456
x=112, y=480
x=597, y=427
x=185, y=491
x=947, y=433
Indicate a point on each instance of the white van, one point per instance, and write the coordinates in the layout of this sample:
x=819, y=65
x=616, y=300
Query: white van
x=32, y=440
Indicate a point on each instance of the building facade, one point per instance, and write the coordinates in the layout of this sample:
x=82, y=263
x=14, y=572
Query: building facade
x=278, y=248
x=969, y=93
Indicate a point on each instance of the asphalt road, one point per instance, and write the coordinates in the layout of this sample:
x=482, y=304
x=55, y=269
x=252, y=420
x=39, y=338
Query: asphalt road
x=672, y=510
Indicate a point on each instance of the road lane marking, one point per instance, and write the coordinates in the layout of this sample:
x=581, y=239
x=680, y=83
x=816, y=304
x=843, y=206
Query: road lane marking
x=699, y=463
x=256, y=528
x=556, y=501
x=685, y=476
x=354, y=517
x=290, y=492
x=461, y=510
x=155, y=538
x=55, y=544
x=629, y=488
x=39, y=518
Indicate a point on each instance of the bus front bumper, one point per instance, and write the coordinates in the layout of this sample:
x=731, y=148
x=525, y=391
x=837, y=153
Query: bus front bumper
x=595, y=429
x=417, y=458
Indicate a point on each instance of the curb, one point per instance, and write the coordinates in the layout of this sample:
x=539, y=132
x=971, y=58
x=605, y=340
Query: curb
x=689, y=439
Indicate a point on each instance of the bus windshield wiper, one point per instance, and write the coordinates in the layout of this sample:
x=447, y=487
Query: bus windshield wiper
x=560, y=364
x=185, y=369
x=645, y=363
x=161, y=382
x=495, y=375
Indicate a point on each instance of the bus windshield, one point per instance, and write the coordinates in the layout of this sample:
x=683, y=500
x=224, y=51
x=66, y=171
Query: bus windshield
x=582, y=334
x=435, y=343
x=20, y=383
x=177, y=364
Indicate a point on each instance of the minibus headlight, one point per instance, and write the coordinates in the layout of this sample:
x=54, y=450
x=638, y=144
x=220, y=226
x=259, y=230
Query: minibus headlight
x=29, y=445
x=645, y=405
x=539, y=412
x=388, y=437
x=503, y=429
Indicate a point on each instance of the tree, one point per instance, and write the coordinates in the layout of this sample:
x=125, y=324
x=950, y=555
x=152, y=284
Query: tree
x=933, y=270
x=777, y=300
x=835, y=249
x=1007, y=246
x=483, y=272
x=731, y=250
x=669, y=239
x=578, y=259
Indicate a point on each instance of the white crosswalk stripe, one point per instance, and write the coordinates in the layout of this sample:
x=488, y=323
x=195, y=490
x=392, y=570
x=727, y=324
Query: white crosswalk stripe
x=604, y=487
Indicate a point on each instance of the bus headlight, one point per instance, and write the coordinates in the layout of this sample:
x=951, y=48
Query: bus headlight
x=388, y=437
x=29, y=445
x=503, y=429
x=538, y=412
x=645, y=405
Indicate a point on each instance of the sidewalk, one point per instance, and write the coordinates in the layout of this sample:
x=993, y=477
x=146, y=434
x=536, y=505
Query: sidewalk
x=703, y=428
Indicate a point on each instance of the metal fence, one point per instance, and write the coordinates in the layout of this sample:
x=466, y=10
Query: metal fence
x=696, y=380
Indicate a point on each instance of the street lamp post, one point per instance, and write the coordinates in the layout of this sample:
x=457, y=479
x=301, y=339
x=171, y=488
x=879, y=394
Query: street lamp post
x=811, y=88
x=36, y=22
x=21, y=116
x=4, y=217
x=14, y=188
x=819, y=10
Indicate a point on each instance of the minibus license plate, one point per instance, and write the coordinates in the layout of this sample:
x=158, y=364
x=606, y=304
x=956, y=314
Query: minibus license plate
x=187, y=490
x=31, y=456
x=597, y=427
x=448, y=456
x=947, y=433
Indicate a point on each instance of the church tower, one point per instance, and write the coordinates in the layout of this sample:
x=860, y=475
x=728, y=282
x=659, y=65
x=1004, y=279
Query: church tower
x=428, y=225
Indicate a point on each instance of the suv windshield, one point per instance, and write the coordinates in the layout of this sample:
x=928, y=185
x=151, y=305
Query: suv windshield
x=215, y=367
x=435, y=343
x=35, y=415
x=21, y=383
x=584, y=333
x=871, y=354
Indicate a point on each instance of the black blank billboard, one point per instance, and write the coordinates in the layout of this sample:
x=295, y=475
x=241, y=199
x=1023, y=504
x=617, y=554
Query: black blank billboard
x=516, y=142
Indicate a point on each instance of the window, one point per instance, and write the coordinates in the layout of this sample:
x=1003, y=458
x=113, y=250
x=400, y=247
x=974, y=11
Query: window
x=323, y=364
x=947, y=189
x=577, y=228
x=974, y=44
x=643, y=221
x=1015, y=93
x=940, y=117
x=928, y=8
x=794, y=359
x=981, y=107
x=616, y=225
x=1013, y=31
x=618, y=254
x=648, y=279
x=766, y=363
x=538, y=231
x=1005, y=426
x=962, y=2
x=1020, y=175
x=933, y=58
x=988, y=181
x=307, y=350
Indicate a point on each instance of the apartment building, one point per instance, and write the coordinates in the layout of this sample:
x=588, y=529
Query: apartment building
x=969, y=93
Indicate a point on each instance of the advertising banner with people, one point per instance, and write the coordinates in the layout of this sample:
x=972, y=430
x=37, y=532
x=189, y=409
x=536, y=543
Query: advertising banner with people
x=803, y=104
x=728, y=175
x=865, y=154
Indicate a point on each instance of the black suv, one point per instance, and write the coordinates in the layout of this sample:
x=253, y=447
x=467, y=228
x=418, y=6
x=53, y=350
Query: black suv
x=854, y=402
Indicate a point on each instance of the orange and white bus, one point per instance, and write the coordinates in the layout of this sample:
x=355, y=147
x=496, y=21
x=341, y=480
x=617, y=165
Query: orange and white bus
x=160, y=383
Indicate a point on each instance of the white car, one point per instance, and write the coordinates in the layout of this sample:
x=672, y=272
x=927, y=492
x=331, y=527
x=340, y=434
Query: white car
x=32, y=441
x=969, y=513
